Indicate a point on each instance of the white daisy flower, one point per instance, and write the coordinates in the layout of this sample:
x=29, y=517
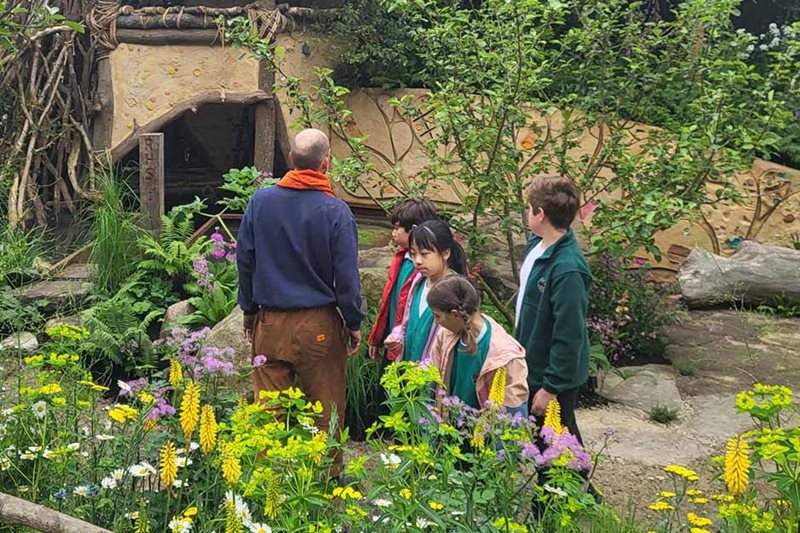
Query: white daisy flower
x=39, y=409
x=141, y=470
x=178, y=483
x=182, y=462
x=27, y=456
x=81, y=490
x=48, y=454
x=555, y=490
x=34, y=449
x=108, y=483
x=117, y=474
x=74, y=446
x=133, y=515
x=422, y=523
x=104, y=438
x=382, y=502
x=180, y=524
x=242, y=510
x=391, y=459
x=124, y=388
x=255, y=527
x=193, y=446
x=5, y=463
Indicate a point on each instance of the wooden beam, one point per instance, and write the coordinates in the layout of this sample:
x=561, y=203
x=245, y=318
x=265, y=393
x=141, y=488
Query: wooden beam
x=206, y=37
x=178, y=21
x=131, y=141
x=18, y=512
x=151, y=179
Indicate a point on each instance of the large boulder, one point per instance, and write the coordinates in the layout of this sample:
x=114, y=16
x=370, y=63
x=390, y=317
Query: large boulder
x=642, y=387
x=228, y=333
x=755, y=274
x=372, y=282
x=171, y=316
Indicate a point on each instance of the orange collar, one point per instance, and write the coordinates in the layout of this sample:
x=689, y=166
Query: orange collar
x=307, y=180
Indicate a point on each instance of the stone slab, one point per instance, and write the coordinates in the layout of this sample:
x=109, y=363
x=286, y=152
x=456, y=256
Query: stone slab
x=647, y=387
x=59, y=293
x=24, y=342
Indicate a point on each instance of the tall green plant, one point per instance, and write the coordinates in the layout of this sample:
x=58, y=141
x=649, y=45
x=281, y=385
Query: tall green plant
x=115, y=248
x=19, y=251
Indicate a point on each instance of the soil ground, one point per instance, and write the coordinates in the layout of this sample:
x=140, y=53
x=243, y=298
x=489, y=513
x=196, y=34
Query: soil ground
x=725, y=352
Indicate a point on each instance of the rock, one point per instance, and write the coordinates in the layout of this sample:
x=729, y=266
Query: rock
x=173, y=313
x=59, y=293
x=376, y=257
x=228, y=333
x=70, y=320
x=24, y=342
x=755, y=274
x=372, y=282
x=647, y=387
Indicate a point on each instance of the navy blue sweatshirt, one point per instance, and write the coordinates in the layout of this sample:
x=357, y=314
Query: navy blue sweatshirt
x=298, y=249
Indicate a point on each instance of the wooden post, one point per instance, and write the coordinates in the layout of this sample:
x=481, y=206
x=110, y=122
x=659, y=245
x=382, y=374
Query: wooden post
x=264, y=146
x=151, y=179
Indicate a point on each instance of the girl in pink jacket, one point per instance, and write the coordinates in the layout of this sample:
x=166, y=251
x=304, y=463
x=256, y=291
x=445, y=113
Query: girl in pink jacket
x=470, y=348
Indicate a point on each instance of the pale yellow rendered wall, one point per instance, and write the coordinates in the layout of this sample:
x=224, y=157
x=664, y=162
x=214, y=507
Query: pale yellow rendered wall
x=149, y=80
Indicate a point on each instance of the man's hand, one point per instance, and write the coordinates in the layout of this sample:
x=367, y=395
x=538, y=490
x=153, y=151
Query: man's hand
x=541, y=400
x=247, y=327
x=374, y=352
x=354, y=342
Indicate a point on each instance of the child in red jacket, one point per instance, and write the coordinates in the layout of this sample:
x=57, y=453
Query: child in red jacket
x=407, y=214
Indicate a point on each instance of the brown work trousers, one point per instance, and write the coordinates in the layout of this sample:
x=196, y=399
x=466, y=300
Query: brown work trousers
x=307, y=349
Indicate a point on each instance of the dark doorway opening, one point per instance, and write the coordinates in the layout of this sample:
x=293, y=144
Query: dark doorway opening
x=199, y=147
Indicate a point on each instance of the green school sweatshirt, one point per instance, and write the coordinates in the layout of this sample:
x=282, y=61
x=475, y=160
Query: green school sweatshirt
x=552, y=322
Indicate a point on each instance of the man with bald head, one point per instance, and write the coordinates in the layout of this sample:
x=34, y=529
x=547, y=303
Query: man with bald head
x=299, y=285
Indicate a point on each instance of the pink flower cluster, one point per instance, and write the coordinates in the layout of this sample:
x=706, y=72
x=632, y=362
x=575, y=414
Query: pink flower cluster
x=199, y=359
x=557, y=445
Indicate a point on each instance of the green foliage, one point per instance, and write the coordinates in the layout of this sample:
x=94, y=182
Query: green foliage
x=663, y=415
x=685, y=367
x=210, y=307
x=19, y=251
x=362, y=378
x=115, y=233
x=243, y=183
x=15, y=317
x=118, y=334
x=168, y=255
x=781, y=307
x=379, y=49
x=627, y=312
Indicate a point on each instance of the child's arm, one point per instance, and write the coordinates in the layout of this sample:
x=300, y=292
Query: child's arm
x=569, y=302
x=516, y=398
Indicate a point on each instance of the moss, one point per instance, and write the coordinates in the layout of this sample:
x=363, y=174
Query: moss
x=373, y=236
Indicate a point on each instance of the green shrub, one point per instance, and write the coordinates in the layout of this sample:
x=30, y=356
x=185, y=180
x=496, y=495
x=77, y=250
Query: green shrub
x=663, y=415
x=627, y=312
x=19, y=251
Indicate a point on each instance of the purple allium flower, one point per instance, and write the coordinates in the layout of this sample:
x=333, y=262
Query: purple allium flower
x=259, y=360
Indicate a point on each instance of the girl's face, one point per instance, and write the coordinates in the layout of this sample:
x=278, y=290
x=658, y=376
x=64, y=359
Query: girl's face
x=429, y=263
x=449, y=320
x=400, y=236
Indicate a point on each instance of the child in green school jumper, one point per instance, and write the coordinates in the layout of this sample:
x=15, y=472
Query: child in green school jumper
x=553, y=301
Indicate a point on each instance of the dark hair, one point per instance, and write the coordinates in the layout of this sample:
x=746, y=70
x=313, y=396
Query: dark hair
x=557, y=196
x=412, y=212
x=436, y=235
x=457, y=293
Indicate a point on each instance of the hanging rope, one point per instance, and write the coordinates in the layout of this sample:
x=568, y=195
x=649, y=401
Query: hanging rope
x=102, y=22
